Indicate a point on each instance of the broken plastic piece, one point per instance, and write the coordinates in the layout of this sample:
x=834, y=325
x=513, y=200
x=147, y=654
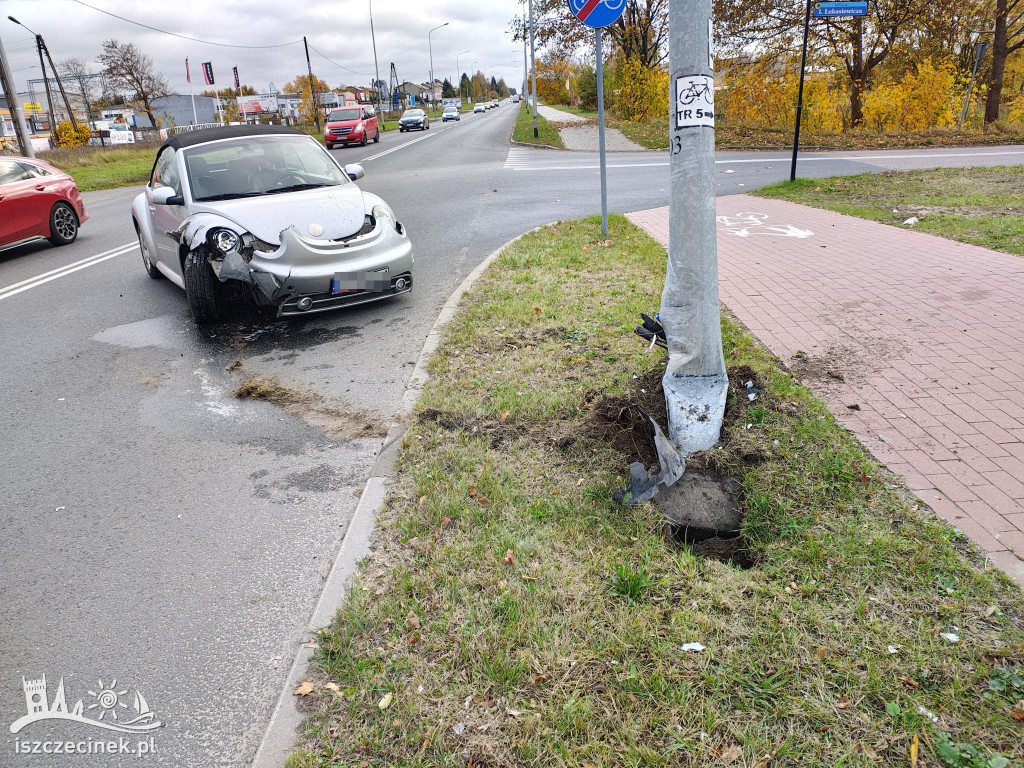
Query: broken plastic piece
x=911, y=221
x=692, y=647
x=643, y=486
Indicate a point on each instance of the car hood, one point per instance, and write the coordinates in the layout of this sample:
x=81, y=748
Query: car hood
x=339, y=210
x=412, y=119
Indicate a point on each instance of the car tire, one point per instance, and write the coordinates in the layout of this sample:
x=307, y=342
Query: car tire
x=376, y=138
x=201, y=288
x=365, y=142
x=63, y=224
x=147, y=262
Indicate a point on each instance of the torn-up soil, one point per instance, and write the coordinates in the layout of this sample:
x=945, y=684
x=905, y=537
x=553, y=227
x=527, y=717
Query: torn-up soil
x=313, y=409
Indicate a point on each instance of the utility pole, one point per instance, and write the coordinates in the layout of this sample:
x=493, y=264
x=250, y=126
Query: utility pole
x=979, y=53
x=312, y=90
x=695, y=380
x=60, y=85
x=14, y=105
x=526, y=68
x=533, y=63
x=376, y=71
x=46, y=84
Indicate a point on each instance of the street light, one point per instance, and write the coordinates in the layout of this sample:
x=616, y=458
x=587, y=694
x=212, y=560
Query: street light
x=46, y=83
x=458, y=72
x=430, y=48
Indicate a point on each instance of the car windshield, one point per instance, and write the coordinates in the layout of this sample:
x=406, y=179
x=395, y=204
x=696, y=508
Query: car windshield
x=450, y=110
x=253, y=166
x=413, y=113
x=343, y=114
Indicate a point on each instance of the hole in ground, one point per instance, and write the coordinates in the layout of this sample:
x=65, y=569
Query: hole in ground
x=703, y=512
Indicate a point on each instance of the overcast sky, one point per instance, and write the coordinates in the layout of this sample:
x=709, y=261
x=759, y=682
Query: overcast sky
x=340, y=29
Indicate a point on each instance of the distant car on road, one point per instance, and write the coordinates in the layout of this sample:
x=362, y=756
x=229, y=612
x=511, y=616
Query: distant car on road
x=495, y=103
x=38, y=201
x=266, y=215
x=479, y=108
x=414, y=119
x=351, y=125
x=450, y=113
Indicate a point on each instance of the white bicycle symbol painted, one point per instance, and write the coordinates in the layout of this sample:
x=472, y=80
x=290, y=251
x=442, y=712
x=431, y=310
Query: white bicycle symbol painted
x=747, y=224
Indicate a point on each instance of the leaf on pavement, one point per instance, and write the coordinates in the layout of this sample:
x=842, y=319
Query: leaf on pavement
x=305, y=688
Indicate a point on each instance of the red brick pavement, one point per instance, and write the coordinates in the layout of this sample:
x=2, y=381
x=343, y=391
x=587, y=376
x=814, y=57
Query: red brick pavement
x=927, y=334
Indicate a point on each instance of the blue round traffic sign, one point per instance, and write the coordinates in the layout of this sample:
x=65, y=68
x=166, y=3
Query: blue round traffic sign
x=597, y=13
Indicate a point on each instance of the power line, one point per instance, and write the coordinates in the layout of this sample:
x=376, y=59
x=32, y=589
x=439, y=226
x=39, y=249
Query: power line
x=183, y=37
x=366, y=74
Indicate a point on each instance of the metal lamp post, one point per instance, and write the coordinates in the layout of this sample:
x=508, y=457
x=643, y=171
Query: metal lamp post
x=458, y=72
x=431, y=50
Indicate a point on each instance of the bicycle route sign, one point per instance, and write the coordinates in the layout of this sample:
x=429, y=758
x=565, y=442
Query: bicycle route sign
x=597, y=13
x=694, y=101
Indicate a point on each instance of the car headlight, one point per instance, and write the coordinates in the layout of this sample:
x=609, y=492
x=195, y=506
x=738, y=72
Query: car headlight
x=225, y=241
x=359, y=127
x=383, y=213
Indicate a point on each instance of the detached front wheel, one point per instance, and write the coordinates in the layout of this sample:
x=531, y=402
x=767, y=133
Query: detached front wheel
x=201, y=288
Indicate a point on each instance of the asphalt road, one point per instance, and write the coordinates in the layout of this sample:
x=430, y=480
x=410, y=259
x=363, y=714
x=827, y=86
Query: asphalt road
x=161, y=532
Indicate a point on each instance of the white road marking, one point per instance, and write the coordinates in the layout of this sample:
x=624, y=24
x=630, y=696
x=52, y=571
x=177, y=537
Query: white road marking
x=67, y=269
x=522, y=160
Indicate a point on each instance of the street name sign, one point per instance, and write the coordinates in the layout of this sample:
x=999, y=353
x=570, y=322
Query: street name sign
x=597, y=13
x=831, y=10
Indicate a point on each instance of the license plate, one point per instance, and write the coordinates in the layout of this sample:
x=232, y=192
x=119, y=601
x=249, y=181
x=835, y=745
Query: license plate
x=355, y=282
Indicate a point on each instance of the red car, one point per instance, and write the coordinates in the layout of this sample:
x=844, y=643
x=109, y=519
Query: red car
x=351, y=125
x=36, y=201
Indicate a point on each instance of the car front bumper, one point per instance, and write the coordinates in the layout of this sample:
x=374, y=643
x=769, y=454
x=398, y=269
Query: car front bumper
x=332, y=274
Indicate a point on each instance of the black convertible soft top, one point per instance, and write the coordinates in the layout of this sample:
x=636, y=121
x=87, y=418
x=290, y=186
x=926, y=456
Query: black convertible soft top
x=203, y=135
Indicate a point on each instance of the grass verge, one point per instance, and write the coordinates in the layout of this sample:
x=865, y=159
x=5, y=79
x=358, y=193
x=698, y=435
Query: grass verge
x=523, y=130
x=511, y=614
x=95, y=168
x=653, y=134
x=982, y=206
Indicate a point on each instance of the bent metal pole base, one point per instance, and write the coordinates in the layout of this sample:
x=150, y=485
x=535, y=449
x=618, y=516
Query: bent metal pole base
x=695, y=381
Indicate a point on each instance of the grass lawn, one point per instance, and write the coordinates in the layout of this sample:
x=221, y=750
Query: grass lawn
x=654, y=135
x=983, y=206
x=104, y=168
x=511, y=614
x=523, y=130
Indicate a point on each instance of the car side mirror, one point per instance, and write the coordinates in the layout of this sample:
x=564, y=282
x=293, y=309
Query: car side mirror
x=166, y=196
x=354, y=171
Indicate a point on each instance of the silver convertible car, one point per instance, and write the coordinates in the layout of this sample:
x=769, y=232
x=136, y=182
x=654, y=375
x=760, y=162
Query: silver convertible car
x=265, y=215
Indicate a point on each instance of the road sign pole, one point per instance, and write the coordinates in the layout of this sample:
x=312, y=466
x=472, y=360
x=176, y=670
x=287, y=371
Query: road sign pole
x=533, y=66
x=600, y=134
x=979, y=54
x=695, y=380
x=800, y=93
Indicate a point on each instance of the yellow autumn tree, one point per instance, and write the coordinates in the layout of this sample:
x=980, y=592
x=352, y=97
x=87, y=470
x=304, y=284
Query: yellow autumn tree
x=552, y=76
x=763, y=94
x=67, y=136
x=641, y=91
x=920, y=100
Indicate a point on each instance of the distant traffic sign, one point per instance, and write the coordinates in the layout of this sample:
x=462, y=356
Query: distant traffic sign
x=840, y=9
x=597, y=13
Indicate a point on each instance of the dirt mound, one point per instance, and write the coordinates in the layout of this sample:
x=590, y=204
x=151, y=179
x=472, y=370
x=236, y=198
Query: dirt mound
x=312, y=408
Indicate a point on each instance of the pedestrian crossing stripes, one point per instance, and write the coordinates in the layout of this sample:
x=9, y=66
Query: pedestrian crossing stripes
x=521, y=158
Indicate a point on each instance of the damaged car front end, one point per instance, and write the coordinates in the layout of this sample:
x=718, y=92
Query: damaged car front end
x=267, y=217
x=299, y=274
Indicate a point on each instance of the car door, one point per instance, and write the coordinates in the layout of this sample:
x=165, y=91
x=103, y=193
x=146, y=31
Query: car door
x=166, y=218
x=21, y=213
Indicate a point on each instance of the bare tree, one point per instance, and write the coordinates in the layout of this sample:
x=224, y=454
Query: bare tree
x=641, y=32
x=1008, y=37
x=131, y=71
x=75, y=71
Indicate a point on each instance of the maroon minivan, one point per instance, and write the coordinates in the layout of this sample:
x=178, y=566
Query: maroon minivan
x=355, y=124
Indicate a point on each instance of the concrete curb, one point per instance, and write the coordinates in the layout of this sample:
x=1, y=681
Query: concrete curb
x=280, y=736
